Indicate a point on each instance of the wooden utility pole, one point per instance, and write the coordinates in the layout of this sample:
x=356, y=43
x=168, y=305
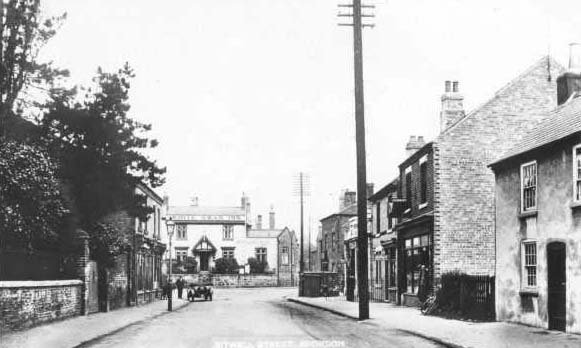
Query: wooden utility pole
x=362, y=244
x=302, y=265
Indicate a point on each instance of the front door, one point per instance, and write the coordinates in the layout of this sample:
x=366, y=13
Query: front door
x=204, y=260
x=557, y=305
x=351, y=276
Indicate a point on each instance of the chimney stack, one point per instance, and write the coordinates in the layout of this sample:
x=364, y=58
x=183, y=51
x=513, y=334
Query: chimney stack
x=271, y=218
x=349, y=198
x=194, y=201
x=414, y=144
x=452, y=105
x=245, y=205
x=259, y=222
x=569, y=83
x=166, y=203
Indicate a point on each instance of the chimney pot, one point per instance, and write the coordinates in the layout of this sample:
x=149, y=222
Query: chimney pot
x=447, y=86
x=259, y=222
x=455, y=86
x=271, y=218
x=569, y=83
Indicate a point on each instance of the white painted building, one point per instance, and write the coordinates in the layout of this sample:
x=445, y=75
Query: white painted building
x=209, y=233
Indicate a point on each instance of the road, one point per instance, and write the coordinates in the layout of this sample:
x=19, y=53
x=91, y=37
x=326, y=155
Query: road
x=251, y=318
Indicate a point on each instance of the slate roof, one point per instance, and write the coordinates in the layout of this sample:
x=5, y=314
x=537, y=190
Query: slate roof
x=264, y=233
x=384, y=191
x=560, y=123
x=349, y=211
x=193, y=210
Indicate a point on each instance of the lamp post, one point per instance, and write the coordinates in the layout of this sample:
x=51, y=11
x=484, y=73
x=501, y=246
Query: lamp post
x=170, y=227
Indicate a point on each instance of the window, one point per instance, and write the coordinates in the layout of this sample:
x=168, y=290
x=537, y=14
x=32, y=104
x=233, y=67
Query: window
x=416, y=254
x=424, y=180
x=408, y=187
x=181, y=254
x=392, y=267
x=284, y=256
x=377, y=215
x=228, y=232
x=261, y=254
x=577, y=173
x=529, y=186
x=530, y=264
x=228, y=253
x=333, y=241
x=181, y=232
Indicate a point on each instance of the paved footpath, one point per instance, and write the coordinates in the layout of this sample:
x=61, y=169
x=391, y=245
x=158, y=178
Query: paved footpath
x=79, y=331
x=452, y=333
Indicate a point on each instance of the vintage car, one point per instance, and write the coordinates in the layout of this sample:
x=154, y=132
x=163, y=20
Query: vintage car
x=199, y=291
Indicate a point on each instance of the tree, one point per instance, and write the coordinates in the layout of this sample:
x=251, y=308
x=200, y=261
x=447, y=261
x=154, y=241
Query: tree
x=23, y=32
x=99, y=148
x=257, y=266
x=227, y=265
x=32, y=210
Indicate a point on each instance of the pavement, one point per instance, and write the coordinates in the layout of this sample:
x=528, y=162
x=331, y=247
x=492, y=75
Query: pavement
x=447, y=332
x=82, y=330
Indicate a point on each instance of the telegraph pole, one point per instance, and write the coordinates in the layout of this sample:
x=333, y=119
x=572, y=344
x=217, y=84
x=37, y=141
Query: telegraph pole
x=302, y=190
x=362, y=244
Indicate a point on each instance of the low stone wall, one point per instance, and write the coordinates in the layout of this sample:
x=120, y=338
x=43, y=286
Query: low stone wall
x=28, y=303
x=235, y=280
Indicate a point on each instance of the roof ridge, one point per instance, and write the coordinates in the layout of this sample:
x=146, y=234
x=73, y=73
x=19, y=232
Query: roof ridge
x=551, y=62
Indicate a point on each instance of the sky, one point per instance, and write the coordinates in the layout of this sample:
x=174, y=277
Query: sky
x=245, y=94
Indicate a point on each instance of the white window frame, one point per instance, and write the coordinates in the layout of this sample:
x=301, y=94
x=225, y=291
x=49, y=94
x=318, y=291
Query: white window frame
x=522, y=203
x=227, y=232
x=407, y=171
x=576, y=177
x=525, y=266
x=185, y=231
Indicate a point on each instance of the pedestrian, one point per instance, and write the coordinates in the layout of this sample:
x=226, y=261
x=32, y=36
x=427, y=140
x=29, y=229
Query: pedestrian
x=180, y=286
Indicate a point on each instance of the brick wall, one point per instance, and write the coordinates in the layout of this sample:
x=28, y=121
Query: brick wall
x=464, y=189
x=27, y=303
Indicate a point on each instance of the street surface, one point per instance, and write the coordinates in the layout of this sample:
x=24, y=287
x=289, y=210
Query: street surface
x=256, y=318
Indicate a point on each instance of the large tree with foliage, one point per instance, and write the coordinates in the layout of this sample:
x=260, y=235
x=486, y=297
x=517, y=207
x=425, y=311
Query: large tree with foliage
x=100, y=149
x=32, y=210
x=24, y=80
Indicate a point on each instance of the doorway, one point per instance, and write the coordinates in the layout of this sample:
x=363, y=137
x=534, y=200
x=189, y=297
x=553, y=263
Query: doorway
x=557, y=295
x=204, y=261
x=350, y=296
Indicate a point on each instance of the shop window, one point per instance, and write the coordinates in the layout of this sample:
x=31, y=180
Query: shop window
x=416, y=255
x=529, y=186
x=529, y=261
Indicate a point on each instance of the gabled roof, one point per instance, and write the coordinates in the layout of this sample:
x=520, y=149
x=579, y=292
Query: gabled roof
x=560, y=123
x=546, y=61
x=349, y=211
x=204, y=244
x=384, y=191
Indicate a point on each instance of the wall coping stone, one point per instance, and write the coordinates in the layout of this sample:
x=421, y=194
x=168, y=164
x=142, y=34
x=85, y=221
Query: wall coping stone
x=39, y=283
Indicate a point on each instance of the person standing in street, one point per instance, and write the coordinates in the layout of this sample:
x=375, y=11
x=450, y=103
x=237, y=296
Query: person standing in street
x=180, y=286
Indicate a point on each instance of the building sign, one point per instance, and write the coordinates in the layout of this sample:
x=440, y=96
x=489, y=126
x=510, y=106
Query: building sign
x=208, y=217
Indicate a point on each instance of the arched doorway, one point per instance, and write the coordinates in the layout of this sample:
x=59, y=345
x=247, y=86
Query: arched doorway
x=557, y=286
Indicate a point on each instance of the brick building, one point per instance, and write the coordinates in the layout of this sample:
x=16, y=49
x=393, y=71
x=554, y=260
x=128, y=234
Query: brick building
x=447, y=190
x=136, y=274
x=538, y=209
x=383, y=243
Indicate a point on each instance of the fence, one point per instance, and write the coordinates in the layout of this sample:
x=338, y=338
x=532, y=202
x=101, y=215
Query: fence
x=469, y=295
